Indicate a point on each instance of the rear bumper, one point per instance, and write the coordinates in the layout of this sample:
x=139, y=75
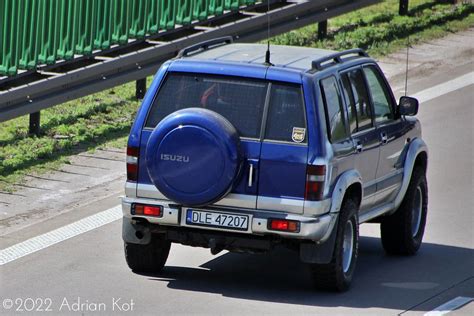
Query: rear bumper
x=316, y=229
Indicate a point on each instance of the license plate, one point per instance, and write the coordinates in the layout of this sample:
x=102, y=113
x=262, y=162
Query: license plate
x=217, y=219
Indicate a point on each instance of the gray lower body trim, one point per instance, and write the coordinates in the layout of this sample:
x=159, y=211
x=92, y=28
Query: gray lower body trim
x=238, y=200
x=131, y=189
x=317, y=229
x=149, y=191
x=280, y=204
x=312, y=208
x=246, y=201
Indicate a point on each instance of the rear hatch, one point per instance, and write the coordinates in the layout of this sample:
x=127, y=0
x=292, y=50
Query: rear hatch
x=239, y=100
x=270, y=119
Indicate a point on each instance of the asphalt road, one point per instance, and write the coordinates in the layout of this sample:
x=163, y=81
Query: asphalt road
x=90, y=268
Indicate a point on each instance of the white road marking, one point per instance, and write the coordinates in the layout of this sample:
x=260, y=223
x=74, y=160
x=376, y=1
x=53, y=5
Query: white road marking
x=445, y=88
x=58, y=235
x=450, y=306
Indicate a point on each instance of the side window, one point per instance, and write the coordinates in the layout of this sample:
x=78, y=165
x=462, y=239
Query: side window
x=286, y=118
x=355, y=92
x=334, y=109
x=349, y=97
x=380, y=95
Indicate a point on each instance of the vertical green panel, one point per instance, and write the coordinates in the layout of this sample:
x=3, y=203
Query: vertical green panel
x=20, y=45
x=138, y=26
x=211, y=7
x=135, y=17
x=49, y=35
x=168, y=14
x=9, y=27
x=80, y=9
x=231, y=4
x=2, y=37
x=85, y=23
x=200, y=10
x=184, y=14
x=14, y=18
x=216, y=7
x=246, y=2
x=41, y=31
x=219, y=9
x=153, y=17
x=67, y=24
x=28, y=55
x=103, y=32
x=61, y=28
x=122, y=17
x=72, y=30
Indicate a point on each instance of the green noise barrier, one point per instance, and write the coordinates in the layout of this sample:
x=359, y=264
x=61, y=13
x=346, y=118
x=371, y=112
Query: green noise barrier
x=35, y=32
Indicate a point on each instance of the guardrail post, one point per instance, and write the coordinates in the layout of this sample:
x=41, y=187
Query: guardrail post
x=140, y=89
x=34, y=128
x=403, y=10
x=322, y=29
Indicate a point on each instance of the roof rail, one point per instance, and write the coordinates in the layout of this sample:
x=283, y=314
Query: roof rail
x=337, y=58
x=203, y=46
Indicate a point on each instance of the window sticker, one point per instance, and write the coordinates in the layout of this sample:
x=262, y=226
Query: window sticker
x=298, y=135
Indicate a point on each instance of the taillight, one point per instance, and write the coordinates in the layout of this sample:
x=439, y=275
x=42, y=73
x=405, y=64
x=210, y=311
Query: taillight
x=148, y=210
x=132, y=163
x=284, y=225
x=315, y=176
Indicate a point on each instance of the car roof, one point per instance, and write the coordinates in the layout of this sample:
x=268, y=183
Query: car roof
x=281, y=56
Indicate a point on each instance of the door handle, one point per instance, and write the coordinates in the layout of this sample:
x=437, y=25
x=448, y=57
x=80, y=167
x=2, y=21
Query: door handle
x=250, y=175
x=384, y=138
x=253, y=167
x=359, y=147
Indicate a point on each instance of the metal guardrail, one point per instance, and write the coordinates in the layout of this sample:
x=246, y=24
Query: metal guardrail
x=66, y=81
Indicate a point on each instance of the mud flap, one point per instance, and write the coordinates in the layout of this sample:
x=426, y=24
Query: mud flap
x=311, y=252
x=135, y=233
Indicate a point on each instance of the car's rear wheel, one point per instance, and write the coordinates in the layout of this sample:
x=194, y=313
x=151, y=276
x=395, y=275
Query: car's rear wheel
x=149, y=258
x=337, y=274
x=402, y=232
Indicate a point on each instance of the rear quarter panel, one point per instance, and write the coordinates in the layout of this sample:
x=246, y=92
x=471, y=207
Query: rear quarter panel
x=135, y=133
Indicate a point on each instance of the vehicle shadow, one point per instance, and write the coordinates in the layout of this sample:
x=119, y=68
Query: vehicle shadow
x=382, y=281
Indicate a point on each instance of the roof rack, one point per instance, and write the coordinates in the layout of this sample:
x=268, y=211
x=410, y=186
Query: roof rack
x=203, y=46
x=337, y=58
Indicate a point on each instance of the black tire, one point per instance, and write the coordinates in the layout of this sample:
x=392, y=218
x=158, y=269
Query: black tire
x=333, y=276
x=149, y=258
x=402, y=232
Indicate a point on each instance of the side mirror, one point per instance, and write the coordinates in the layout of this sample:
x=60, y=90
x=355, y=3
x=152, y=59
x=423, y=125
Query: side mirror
x=408, y=106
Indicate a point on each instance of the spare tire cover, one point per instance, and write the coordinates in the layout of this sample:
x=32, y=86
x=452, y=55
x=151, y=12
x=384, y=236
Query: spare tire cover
x=193, y=156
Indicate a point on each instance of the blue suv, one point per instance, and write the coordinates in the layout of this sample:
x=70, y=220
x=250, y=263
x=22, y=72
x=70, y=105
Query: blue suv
x=230, y=151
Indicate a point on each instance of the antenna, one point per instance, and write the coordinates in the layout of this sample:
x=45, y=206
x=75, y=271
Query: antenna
x=267, y=54
x=406, y=70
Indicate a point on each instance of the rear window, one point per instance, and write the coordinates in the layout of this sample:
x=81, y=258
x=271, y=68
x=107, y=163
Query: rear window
x=241, y=101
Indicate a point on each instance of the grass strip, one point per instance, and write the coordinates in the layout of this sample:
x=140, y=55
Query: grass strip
x=100, y=120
